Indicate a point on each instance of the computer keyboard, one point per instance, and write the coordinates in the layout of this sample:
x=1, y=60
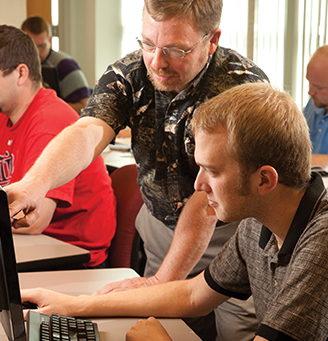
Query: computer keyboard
x=41, y=327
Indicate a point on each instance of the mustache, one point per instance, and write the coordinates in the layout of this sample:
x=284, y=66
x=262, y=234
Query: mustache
x=162, y=72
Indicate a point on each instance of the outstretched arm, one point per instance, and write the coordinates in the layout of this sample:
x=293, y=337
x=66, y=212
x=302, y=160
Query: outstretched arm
x=173, y=299
x=63, y=159
x=190, y=240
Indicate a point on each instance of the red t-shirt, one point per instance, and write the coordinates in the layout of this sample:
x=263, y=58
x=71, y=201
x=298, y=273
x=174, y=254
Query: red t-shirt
x=86, y=211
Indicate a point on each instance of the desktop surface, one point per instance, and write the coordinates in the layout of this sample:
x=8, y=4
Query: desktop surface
x=42, y=252
x=119, y=154
x=78, y=282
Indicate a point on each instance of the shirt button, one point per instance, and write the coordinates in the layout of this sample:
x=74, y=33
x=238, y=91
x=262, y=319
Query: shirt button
x=319, y=130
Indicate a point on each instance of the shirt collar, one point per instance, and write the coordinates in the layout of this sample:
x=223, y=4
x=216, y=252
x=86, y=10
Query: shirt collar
x=45, y=61
x=304, y=213
x=198, y=78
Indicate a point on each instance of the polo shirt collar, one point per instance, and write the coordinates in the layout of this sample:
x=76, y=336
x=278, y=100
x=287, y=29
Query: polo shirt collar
x=304, y=213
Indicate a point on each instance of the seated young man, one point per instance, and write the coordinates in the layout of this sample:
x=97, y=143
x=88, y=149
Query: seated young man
x=254, y=152
x=73, y=85
x=81, y=212
x=317, y=107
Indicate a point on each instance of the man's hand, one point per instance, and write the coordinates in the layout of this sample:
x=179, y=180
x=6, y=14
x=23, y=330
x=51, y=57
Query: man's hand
x=48, y=301
x=127, y=284
x=147, y=330
x=24, y=207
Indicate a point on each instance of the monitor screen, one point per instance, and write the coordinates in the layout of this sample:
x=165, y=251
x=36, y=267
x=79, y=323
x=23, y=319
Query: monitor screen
x=11, y=314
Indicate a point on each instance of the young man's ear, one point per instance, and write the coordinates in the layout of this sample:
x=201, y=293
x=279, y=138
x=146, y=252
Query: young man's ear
x=268, y=179
x=23, y=73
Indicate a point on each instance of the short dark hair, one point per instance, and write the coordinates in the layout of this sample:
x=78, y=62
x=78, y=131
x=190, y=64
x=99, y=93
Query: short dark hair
x=17, y=47
x=36, y=25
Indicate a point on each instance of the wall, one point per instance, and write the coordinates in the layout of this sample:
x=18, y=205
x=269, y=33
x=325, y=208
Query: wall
x=91, y=32
x=12, y=12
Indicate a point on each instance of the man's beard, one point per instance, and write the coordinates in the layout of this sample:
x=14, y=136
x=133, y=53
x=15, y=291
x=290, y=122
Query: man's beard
x=163, y=86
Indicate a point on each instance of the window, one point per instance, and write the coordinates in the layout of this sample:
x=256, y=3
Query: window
x=132, y=24
x=54, y=19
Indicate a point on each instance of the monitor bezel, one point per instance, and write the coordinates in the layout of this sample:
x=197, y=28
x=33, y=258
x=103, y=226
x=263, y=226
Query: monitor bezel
x=11, y=315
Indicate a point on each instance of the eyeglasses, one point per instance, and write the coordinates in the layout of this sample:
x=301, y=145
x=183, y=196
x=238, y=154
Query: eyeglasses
x=170, y=52
x=10, y=69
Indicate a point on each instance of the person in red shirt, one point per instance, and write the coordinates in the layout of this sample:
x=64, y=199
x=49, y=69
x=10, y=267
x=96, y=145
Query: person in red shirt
x=81, y=212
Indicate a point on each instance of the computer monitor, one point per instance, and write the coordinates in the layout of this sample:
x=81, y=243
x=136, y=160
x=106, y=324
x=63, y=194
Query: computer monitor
x=11, y=314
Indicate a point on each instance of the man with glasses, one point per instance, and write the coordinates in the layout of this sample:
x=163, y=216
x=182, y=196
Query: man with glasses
x=171, y=52
x=317, y=107
x=155, y=91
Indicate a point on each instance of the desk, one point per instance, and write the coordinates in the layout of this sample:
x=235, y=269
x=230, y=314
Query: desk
x=41, y=252
x=77, y=282
x=118, y=158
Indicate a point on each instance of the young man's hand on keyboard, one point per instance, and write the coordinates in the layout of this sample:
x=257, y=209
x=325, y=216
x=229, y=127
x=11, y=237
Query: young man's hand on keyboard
x=42, y=298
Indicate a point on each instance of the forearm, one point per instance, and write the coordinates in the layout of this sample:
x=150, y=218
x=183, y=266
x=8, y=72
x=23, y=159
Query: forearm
x=187, y=298
x=67, y=155
x=191, y=238
x=157, y=300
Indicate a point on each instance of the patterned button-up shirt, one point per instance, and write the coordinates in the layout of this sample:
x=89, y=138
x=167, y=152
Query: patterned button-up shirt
x=162, y=142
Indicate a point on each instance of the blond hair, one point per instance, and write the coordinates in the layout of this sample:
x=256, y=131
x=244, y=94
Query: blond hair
x=265, y=127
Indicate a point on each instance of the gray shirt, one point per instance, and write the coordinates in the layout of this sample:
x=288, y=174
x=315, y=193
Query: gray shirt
x=290, y=285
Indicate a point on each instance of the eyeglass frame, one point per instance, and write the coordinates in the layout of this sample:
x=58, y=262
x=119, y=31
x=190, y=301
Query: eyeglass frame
x=12, y=68
x=166, y=49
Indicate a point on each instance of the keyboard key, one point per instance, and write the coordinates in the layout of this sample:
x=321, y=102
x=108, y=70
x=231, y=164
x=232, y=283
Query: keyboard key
x=60, y=328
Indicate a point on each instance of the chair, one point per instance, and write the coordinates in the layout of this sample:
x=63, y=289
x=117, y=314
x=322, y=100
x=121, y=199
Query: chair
x=126, y=246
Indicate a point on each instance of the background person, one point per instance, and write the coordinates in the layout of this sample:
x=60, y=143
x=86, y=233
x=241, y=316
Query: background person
x=82, y=212
x=257, y=170
x=155, y=91
x=73, y=84
x=317, y=107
